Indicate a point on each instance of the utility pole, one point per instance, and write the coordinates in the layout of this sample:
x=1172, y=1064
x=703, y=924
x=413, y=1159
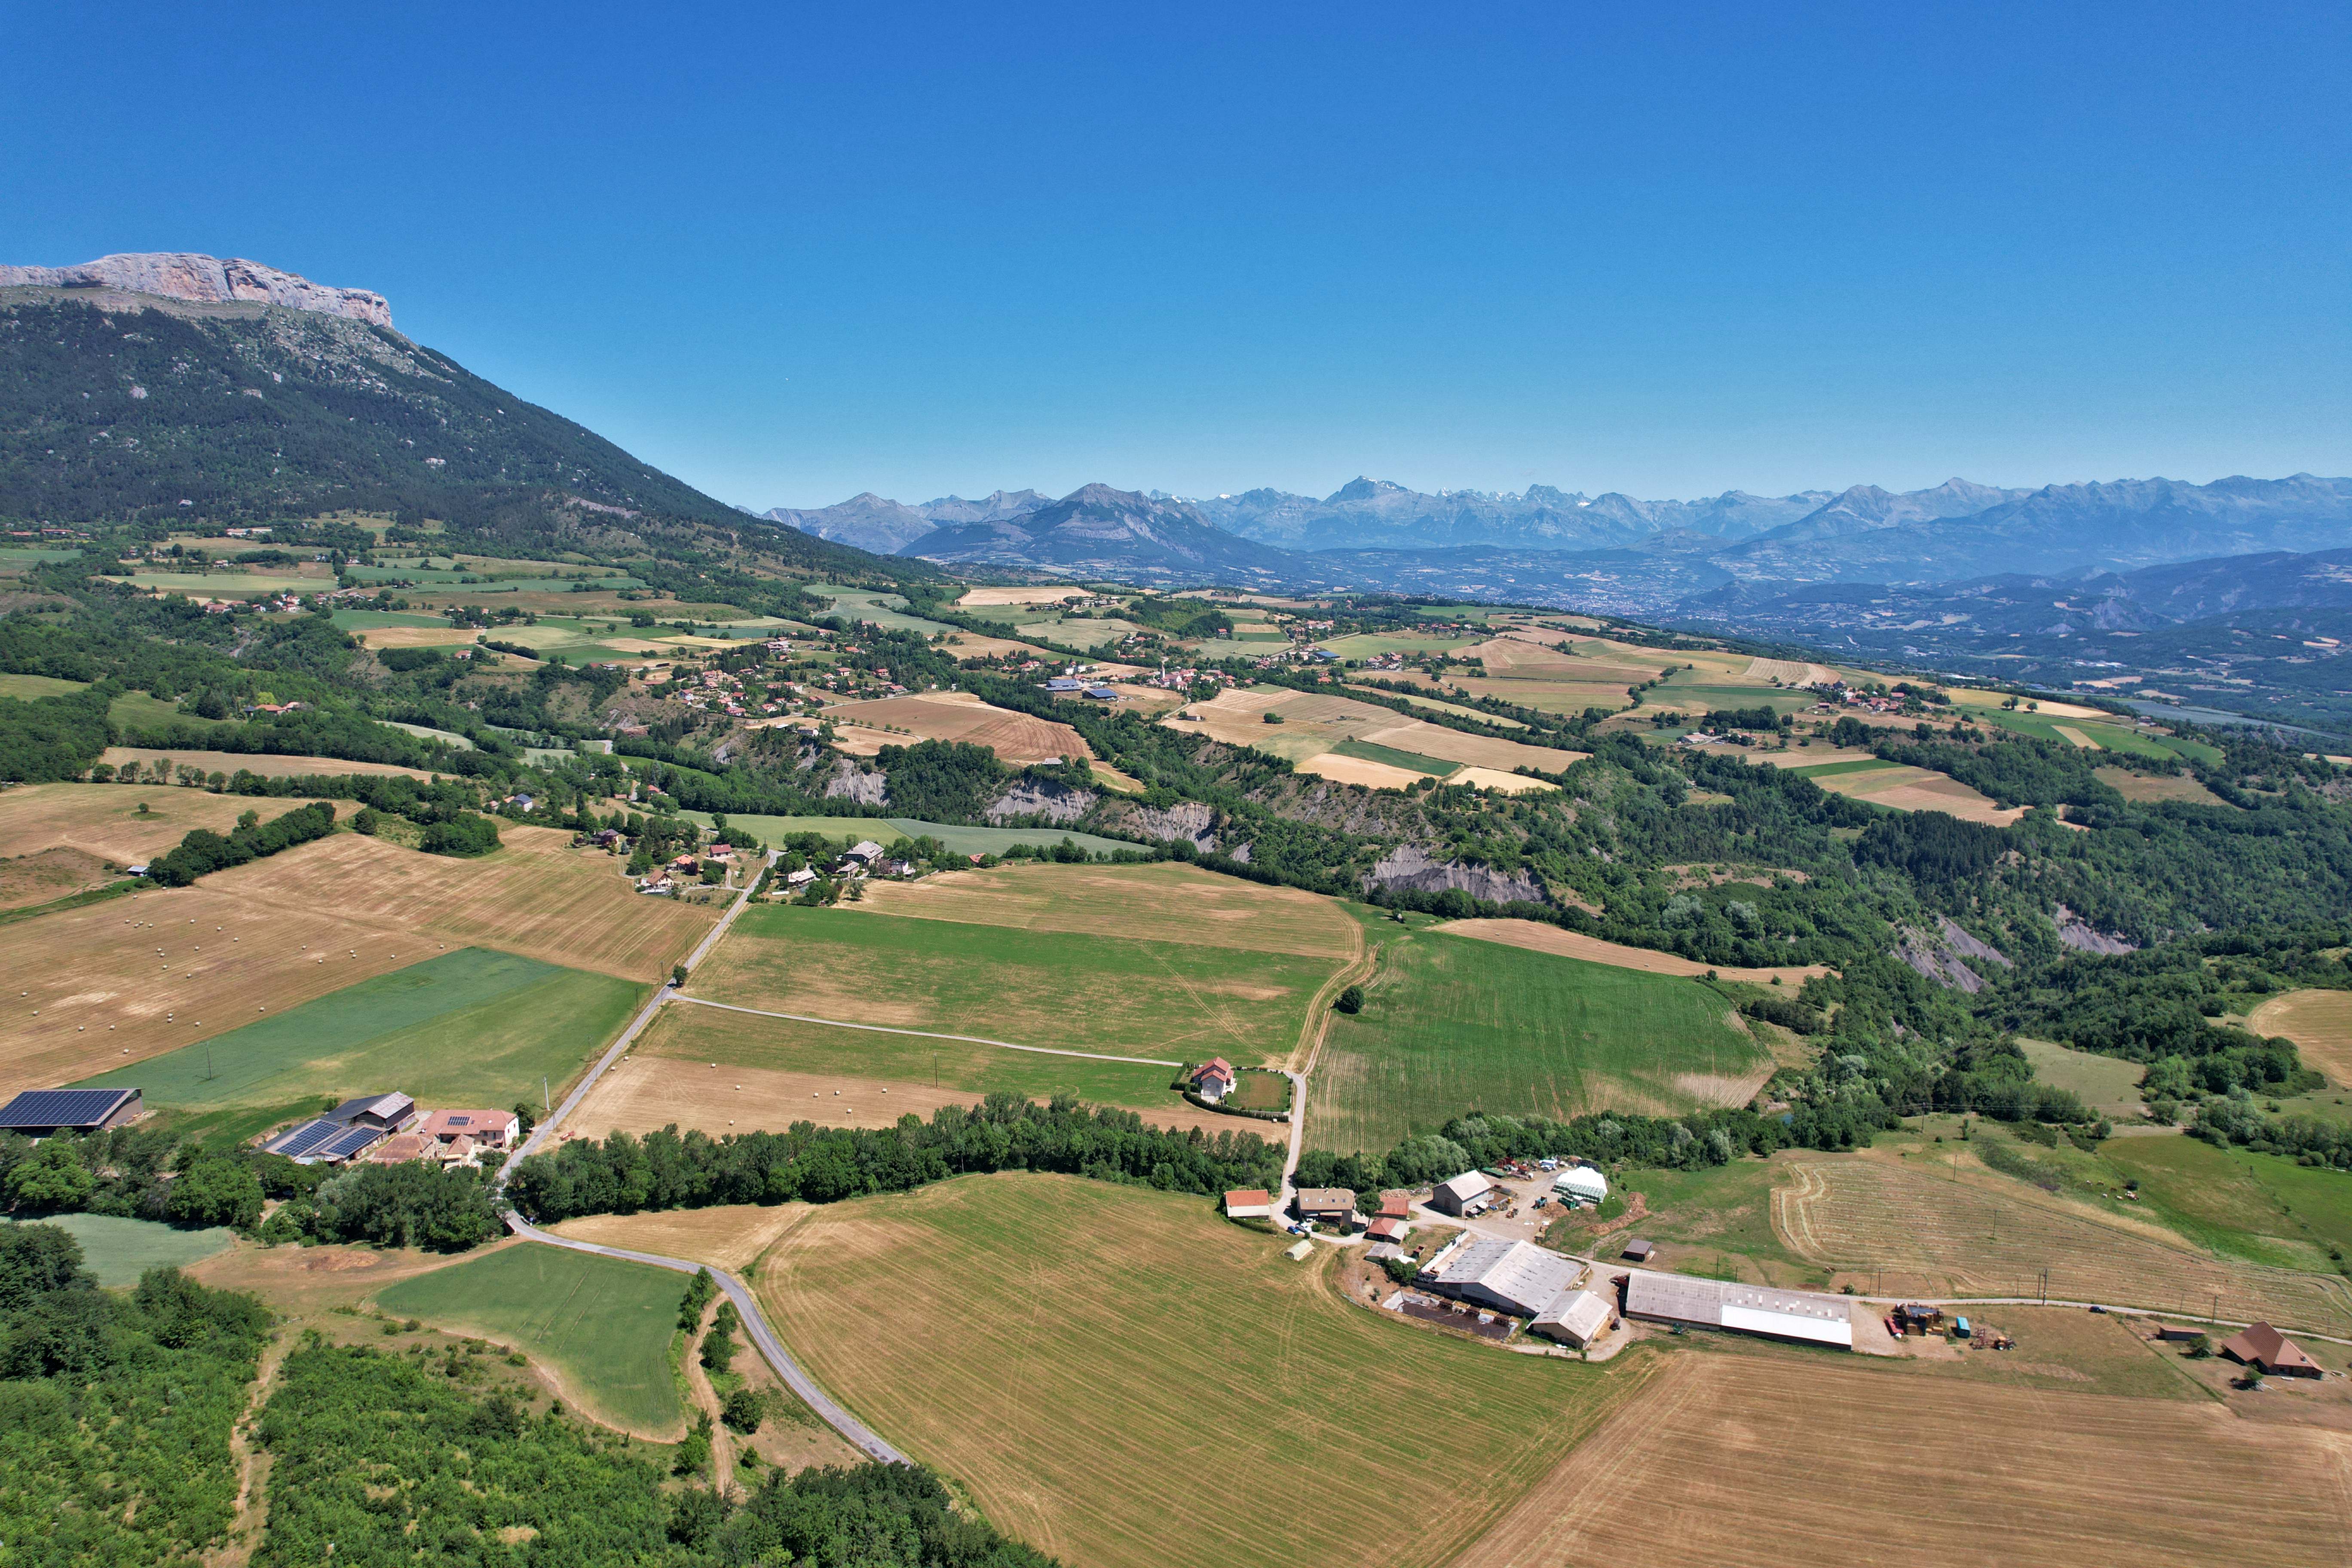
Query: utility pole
x=544, y=1107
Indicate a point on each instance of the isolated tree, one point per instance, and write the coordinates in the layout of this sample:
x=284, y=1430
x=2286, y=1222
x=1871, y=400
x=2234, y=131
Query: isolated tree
x=1351, y=1000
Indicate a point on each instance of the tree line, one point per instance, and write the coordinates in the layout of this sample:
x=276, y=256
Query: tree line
x=808, y=1163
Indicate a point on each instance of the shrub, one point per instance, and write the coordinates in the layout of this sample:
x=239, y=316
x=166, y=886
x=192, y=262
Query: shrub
x=1351, y=1000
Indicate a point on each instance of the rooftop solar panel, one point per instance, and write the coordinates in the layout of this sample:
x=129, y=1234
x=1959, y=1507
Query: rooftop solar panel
x=303, y=1140
x=61, y=1106
x=350, y=1143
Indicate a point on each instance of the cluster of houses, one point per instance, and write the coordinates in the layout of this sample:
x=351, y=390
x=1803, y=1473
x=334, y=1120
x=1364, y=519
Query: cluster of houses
x=863, y=858
x=389, y=1130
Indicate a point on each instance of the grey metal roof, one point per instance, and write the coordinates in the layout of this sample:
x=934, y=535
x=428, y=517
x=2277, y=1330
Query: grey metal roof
x=63, y=1107
x=1516, y=1275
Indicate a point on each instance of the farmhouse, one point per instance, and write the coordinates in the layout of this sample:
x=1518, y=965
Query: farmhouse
x=1384, y=1229
x=487, y=1129
x=388, y=1112
x=38, y=1113
x=324, y=1141
x=1514, y=1277
x=1329, y=1205
x=865, y=852
x=1249, y=1203
x=1466, y=1193
x=1576, y=1319
x=1215, y=1079
x=1795, y=1315
x=2268, y=1352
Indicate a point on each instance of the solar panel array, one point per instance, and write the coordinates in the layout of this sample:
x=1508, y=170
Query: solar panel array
x=61, y=1106
x=304, y=1140
x=352, y=1141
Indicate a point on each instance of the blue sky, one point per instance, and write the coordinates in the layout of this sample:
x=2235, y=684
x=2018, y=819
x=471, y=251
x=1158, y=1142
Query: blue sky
x=791, y=253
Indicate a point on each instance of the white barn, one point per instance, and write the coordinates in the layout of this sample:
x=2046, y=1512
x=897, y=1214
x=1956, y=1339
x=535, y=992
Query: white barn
x=1457, y=1196
x=1577, y=1319
x=1581, y=1184
x=1800, y=1316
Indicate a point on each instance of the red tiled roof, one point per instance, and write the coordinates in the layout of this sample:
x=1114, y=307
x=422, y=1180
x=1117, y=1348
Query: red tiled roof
x=1248, y=1197
x=1396, y=1205
x=1384, y=1229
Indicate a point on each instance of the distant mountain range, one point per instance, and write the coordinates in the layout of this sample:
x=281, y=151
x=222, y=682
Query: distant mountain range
x=1612, y=552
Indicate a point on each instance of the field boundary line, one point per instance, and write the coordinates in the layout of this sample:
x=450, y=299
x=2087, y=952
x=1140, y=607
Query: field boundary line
x=928, y=1034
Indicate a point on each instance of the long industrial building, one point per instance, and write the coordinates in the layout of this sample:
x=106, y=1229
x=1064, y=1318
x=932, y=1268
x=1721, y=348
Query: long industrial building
x=1800, y=1316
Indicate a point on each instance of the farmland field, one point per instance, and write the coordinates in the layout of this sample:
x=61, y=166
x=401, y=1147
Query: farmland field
x=104, y=820
x=1314, y=724
x=1015, y=738
x=1704, y=1468
x=725, y=1236
x=320, y=917
x=1166, y=902
x=2318, y=1022
x=1541, y=938
x=2138, y=787
x=1435, y=706
x=2108, y=1084
x=470, y=1027
x=1451, y=1026
x=725, y=1071
x=602, y=1326
x=268, y=765
x=885, y=610
x=46, y=876
x=33, y=688
x=1042, y=1340
x=1036, y=987
x=2263, y=1207
x=116, y=1251
x=1987, y=1235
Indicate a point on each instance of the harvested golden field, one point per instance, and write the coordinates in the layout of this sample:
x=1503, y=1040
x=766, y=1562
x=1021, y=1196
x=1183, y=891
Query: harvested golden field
x=2318, y=1022
x=103, y=819
x=962, y=646
x=726, y=1235
x=265, y=765
x=1916, y=789
x=1341, y=769
x=1917, y=1231
x=1541, y=938
x=1078, y=1355
x=1770, y=1457
x=1166, y=902
x=1312, y=723
x=419, y=636
x=1790, y=672
x=952, y=716
x=50, y=874
x=264, y=936
x=720, y=1069
x=1509, y=784
x=1036, y=593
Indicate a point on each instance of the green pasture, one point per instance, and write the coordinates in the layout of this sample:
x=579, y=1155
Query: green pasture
x=782, y=1044
x=19, y=557
x=472, y=1028
x=1839, y=770
x=1716, y=1222
x=1366, y=645
x=32, y=688
x=1697, y=691
x=1412, y=762
x=2121, y=739
x=1085, y=633
x=1451, y=1025
x=776, y=829
x=884, y=609
x=1072, y=991
x=603, y=1325
x=365, y=620
x=134, y=710
x=221, y=583
x=2104, y=1083
x=427, y=733
x=2262, y=1207
x=117, y=1250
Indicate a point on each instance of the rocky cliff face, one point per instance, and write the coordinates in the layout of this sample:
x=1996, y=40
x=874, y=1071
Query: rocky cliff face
x=207, y=279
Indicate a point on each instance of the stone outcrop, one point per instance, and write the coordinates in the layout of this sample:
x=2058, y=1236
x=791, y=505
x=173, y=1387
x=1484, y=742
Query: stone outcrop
x=1926, y=955
x=867, y=789
x=2080, y=934
x=1189, y=820
x=1412, y=867
x=1959, y=942
x=1058, y=804
x=206, y=280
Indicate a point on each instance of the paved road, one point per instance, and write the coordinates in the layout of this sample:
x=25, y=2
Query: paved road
x=928, y=1034
x=754, y=1322
x=539, y=1136
x=834, y=1416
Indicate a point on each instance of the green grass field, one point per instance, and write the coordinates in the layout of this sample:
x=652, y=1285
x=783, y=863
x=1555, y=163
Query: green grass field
x=600, y=1325
x=885, y=610
x=365, y=620
x=116, y=1251
x=1716, y=1222
x=472, y=1028
x=1698, y=691
x=1412, y=762
x=1367, y=645
x=33, y=688
x=1837, y=769
x=2107, y=1084
x=1451, y=1025
x=223, y=583
x=1084, y=1358
x=776, y=829
x=2260, y=1207
x=134, y=708
x=1176, y=1001
x=779, y=1045
x=1435, y=706
x=2121, y=739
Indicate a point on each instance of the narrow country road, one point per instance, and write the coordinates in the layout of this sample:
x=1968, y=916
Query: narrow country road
x=755, y=1322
